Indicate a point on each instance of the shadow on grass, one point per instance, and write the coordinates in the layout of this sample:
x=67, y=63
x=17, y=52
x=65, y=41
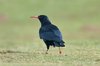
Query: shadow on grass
x=11, y=51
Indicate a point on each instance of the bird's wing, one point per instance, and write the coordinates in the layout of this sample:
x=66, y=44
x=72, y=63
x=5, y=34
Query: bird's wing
x=50, y=33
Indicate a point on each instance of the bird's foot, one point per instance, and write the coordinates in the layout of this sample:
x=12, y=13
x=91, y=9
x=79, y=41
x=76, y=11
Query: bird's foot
x=60, y=52
x=46, y=52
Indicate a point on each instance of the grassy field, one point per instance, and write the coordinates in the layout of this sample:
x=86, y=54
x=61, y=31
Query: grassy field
x=78, y=20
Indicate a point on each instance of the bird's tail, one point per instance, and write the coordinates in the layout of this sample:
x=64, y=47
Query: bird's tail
x=59, y=44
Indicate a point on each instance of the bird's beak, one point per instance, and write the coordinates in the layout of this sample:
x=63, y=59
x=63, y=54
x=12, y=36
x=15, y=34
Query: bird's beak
x=34, y=17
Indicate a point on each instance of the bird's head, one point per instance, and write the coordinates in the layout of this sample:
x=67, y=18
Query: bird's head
x=42, y=18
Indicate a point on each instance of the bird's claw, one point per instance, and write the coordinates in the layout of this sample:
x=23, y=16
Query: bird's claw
x=60, y=52
x=46, y=53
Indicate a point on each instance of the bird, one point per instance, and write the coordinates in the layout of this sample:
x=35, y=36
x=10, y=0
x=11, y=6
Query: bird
x=49, y=33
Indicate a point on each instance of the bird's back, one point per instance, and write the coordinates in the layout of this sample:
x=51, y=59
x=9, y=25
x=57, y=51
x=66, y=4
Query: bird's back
x=51, y=35
x=50, y=32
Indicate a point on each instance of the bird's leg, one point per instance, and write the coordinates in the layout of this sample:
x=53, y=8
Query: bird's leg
x=60, y=51
x=47, y=51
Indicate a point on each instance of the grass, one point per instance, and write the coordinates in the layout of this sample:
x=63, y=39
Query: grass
x=78, y=21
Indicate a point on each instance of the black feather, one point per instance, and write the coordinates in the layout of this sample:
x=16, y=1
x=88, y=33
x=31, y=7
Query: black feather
x=50, y=33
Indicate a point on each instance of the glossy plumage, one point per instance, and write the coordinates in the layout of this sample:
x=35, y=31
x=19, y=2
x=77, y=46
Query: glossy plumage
x=50, y=33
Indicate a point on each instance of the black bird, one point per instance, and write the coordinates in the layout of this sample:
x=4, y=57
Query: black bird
x=50, y=33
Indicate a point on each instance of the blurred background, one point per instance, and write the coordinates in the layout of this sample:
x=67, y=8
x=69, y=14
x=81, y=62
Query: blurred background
x=77, y=19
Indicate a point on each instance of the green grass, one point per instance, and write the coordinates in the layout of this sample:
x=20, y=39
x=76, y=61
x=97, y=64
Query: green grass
x=78, y=20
